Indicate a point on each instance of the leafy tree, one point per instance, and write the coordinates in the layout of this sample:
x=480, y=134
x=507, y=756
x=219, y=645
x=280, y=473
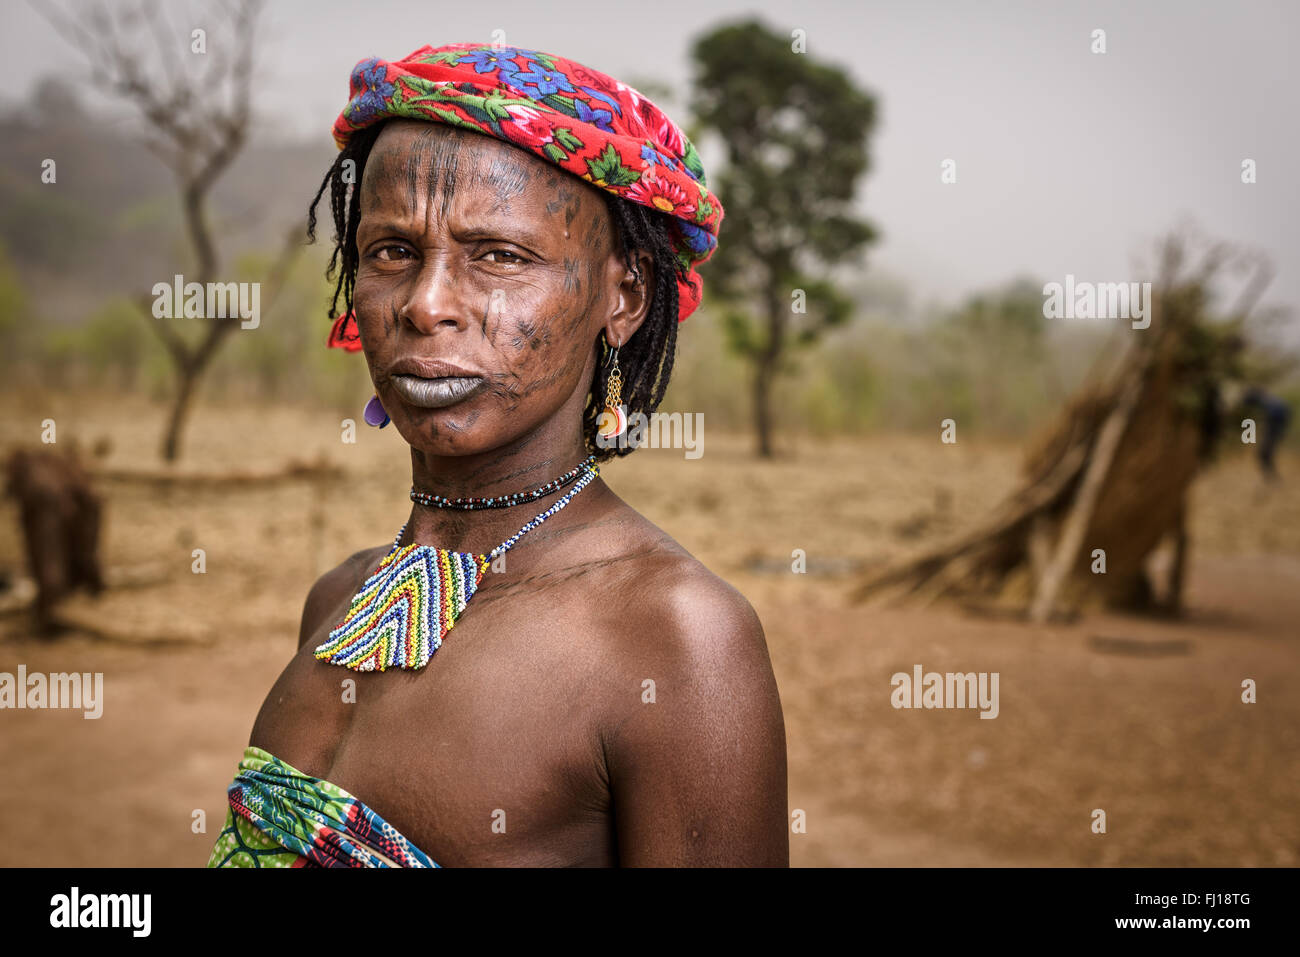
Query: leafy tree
x=795, y=133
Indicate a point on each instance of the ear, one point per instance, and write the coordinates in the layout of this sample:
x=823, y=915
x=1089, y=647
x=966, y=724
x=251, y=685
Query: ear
x=633, y=298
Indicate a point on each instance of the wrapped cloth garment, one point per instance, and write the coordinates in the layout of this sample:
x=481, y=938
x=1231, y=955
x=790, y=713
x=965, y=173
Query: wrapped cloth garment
x=281, y=817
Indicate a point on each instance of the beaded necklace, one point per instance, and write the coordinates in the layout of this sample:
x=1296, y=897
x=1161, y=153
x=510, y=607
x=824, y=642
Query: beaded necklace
x=469, y=503
x=404, y=610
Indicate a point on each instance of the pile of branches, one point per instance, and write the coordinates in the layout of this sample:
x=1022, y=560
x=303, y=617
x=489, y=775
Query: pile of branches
x=1108, y=481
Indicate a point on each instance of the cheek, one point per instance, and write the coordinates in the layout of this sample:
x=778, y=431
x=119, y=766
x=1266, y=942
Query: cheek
x=544, y=314
x=539, y=343
x=376, y=307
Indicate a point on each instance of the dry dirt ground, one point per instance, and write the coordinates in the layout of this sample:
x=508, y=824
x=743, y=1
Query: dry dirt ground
x=1140, y=717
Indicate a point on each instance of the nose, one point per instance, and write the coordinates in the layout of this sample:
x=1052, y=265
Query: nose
x=434, y=300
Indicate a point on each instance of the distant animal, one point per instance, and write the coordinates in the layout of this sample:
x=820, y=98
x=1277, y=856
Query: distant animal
x=60, y=514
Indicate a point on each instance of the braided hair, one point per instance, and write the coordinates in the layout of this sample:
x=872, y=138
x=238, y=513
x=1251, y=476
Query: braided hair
x=645, y=360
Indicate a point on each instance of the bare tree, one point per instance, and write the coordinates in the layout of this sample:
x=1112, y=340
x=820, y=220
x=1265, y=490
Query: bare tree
x=194, y=95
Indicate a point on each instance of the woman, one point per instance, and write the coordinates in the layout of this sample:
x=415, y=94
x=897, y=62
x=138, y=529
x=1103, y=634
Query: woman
x=516, y=242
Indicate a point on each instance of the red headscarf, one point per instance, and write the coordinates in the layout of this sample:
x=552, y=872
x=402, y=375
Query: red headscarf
x=581, y=120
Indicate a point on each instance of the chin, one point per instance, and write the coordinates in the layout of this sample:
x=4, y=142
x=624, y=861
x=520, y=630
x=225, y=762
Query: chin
x=466, y=428
x=444, y=432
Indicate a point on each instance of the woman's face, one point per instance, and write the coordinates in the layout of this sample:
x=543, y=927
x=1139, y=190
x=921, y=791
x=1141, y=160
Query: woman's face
x=485, y=275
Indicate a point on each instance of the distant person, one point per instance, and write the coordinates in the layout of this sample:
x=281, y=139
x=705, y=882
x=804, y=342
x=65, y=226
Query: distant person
x=1232, y=400
x=1277, y=415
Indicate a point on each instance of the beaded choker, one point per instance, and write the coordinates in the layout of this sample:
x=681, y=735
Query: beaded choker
x=470, y=503
x=404, y=610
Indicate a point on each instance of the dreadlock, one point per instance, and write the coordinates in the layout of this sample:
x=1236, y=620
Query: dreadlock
x=645, y=360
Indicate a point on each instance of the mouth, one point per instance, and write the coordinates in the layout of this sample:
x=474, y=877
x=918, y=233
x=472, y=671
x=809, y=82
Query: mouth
x=434, y=383
x=438, y=392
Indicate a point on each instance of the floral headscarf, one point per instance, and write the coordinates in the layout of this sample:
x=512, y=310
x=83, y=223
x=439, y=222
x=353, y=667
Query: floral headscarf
x=583, y=121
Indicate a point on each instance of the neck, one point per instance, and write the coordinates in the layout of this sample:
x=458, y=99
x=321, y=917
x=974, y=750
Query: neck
x=529, y=463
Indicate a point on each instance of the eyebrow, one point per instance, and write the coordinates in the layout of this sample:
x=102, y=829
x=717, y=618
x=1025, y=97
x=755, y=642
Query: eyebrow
x=524, y=237
x=510, y=230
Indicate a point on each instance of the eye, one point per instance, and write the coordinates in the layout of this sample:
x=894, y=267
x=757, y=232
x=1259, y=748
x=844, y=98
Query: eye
x=392, y=252
x=516, y=258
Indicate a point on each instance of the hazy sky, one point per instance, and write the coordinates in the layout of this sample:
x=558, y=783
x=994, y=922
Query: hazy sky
x=1067, y=161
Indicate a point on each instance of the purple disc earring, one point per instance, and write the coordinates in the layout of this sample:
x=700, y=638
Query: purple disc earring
x=375, y=414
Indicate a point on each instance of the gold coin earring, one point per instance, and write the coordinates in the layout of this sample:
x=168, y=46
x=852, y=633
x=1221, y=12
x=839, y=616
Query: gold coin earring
x=612, y=422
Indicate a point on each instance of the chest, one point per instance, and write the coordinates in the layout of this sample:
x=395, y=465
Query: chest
x=491, y=753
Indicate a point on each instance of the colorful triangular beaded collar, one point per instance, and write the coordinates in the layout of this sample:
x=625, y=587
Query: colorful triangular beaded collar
x=404, y=610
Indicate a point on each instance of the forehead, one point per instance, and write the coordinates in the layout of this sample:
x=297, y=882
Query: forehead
x=411, y=161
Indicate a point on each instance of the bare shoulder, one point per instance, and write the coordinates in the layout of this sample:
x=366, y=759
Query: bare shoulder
x=692, y=613
x=700, y=641
x=693, y=734
x=698, y=610
x=336, y=586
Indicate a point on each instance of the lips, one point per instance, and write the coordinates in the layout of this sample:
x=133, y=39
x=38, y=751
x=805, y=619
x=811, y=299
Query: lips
x=427, y=368
x=434, y=383
x=436, y=393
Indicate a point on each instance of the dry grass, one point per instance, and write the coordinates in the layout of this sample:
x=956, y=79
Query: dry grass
x=1187, y=774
